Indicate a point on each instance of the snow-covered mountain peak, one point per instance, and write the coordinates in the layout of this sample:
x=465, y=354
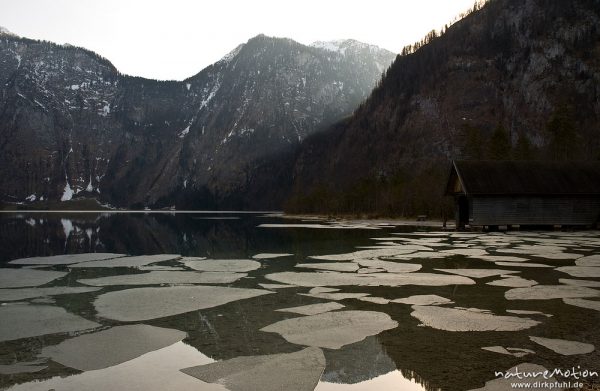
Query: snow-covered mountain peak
x=342, y=46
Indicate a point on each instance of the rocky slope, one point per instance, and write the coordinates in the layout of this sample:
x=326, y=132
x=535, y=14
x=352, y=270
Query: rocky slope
x=513, y=80
x=71, y=125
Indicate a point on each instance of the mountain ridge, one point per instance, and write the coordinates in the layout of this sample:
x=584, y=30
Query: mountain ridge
x=133, y=141
x=510, y=80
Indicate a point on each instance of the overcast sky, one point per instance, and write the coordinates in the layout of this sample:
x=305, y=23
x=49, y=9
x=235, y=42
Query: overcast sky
x=175, y=39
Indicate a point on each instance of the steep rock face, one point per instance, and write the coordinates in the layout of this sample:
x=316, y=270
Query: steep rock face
x=72, y=125
x=510, y=65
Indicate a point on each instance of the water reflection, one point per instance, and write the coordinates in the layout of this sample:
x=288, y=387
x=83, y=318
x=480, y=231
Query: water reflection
x=407, y=357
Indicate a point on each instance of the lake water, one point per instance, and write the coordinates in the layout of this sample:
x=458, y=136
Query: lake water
x=214, y=301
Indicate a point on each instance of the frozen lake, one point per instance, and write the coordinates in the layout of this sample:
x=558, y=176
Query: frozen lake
x=254, y=301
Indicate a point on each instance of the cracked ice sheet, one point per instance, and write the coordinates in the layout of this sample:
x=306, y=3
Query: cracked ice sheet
x=332, y=330
x=564, y=347
x=136, y=261
x=221, y=265
x=154, y=371
x=65, y=259
x=150, y=303
x=29, y=293
x=165, y=277
x=18, y=278
x=313, y=309
x=35, y=320
x=478, y=273
x=454, y=319
x=298, y=371
x=373, y=279
x=111, y=347
x=547, y=292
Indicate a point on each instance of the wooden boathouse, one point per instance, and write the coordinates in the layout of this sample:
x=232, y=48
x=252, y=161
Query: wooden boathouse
x=525, y=193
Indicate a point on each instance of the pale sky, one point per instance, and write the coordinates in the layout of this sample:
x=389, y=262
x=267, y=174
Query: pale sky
x=175, y=39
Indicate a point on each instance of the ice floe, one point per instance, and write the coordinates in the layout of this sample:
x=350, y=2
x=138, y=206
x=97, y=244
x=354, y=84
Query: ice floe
x=580, y=271
x=162, y=277
x=527, y=312
x=111, y=347
x=390, y=267
x=516, y=352
x=28, y=293
x=547, y=292
x=221, y=265
x=423, y=300
x=375, y=300
x=564, y=347
x=270, y=256
x=337, y=266
x=154, y=371
x=592, y=260
x=22, y=367
x=522, y=264
x=332, y=330
x=455, y=319
x=35, y=320
x=136, y=261
x=298, y=371
x=588, y=283
x=513, y=282
x=583, y=303
x=335, y=296
x=65, y=259
x=276, y=286
x=19, y=278
x=313, y=309
x=478, y=273
x=150, y=303
x=501, y=258
x=472, y=252
x=322, y=289
x=373, y=279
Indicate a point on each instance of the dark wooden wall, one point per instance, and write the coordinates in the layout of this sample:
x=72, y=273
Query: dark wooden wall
x=506, y=210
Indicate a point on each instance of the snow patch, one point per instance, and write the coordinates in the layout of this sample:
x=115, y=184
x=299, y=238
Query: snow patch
x=67, y=193
x=188, y=86
x=184, y=132
x=229, y=56
x=105, y=110
x=74, y=87
x=31, y=198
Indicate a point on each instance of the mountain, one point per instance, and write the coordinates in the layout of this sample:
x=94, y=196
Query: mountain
x=511, y=80
x=72, y=126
